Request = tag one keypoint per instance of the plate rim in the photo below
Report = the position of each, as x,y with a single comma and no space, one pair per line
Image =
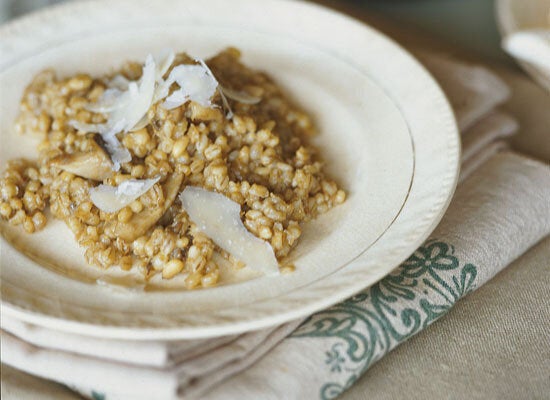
436,210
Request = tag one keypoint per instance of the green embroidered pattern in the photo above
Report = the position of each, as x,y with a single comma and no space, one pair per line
97,396
364,328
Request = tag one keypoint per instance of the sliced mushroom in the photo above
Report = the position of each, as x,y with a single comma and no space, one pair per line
141,222
93,164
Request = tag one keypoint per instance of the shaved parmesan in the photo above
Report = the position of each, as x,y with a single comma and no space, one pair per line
84,127
226,105
219,217
241,97
126,106
119,82
119,154
114,198
164,63
126,103
176,99
128,100
112,99
139,98
141,124
195,83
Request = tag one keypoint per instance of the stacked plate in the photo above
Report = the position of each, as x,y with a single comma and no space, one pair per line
386,131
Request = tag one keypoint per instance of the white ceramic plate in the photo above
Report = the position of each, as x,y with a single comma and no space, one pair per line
521,15
386,131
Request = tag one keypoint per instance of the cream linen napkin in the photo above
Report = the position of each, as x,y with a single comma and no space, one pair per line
472,90
166,369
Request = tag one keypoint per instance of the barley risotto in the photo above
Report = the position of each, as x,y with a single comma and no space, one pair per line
145,164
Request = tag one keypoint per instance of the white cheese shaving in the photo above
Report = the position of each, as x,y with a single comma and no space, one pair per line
219,217
119,82
229,114
119,154
128,100
137,99
113,198
195,83
126,106
163,64
84,127
141,124
241,97
126,103
112,99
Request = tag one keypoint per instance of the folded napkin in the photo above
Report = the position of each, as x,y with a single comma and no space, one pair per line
327,353
472,90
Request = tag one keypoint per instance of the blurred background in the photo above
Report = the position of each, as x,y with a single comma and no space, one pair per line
13,8
468,24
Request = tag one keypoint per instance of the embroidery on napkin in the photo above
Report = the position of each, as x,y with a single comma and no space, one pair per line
364,328
97,396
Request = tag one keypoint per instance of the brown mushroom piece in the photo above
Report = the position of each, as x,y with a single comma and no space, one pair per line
94,164
141,222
